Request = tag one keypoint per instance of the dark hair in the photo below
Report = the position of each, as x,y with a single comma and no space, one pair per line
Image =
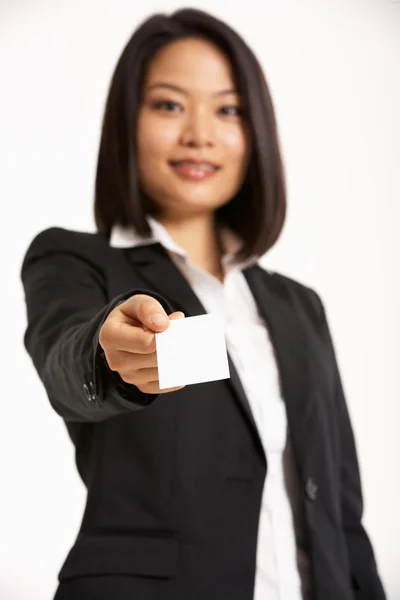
257,212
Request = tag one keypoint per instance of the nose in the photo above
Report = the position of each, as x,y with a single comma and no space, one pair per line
198,130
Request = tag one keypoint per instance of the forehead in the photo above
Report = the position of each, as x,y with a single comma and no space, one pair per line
193,63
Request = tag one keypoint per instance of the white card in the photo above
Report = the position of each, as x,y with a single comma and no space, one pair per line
192,350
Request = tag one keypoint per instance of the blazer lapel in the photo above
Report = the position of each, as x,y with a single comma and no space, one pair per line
161,274
289,338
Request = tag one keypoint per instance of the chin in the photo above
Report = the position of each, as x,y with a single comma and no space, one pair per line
188,200
199,204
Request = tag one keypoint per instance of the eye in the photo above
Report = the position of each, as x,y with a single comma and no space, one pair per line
231,110
167,105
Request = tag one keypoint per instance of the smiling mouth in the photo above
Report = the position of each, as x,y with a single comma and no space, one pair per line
208,166
194,170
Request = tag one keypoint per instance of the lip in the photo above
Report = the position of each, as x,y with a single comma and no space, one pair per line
194,161
188,169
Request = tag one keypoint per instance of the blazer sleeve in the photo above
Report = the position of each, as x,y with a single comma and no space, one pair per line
366,581
66,305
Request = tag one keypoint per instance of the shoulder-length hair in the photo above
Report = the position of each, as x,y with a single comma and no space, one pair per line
257,212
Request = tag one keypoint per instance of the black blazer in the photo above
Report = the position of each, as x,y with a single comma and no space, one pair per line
174,482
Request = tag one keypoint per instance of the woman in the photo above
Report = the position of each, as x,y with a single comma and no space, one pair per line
242,488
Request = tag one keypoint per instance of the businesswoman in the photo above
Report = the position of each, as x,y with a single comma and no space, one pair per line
235,489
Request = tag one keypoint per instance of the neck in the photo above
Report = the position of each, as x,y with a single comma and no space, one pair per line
198,236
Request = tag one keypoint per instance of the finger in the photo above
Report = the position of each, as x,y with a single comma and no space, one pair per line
173,316
128,338
154,388
147,310
176,315
167,390
145,361
143,376
122,360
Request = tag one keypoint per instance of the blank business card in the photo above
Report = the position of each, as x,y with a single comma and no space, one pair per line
192,350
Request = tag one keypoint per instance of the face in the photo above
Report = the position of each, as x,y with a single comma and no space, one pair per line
192,142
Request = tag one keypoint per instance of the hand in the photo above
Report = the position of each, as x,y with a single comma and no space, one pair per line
127,337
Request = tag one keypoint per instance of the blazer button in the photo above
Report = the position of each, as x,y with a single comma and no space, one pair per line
89,392
311,489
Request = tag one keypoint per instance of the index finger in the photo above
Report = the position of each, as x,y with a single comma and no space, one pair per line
133,339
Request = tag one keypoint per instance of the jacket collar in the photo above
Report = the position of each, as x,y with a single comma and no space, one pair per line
124,237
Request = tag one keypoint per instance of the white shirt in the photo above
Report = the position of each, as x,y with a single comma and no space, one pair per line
282,570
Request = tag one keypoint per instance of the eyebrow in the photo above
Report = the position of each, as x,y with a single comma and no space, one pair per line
177,88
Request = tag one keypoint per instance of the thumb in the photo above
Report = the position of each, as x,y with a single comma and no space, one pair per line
172,317
147,311
176,315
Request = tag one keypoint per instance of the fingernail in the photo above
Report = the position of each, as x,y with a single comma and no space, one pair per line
158,319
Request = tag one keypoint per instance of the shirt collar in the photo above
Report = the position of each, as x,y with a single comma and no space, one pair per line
126,237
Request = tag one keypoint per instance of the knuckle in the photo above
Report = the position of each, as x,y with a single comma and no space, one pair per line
148,306
111,362
127,377
148,342
140,302
153,388
133,376
103,336
153,364
145,386
114,362
107,334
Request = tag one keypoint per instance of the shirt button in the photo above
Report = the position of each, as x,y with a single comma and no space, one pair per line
311,489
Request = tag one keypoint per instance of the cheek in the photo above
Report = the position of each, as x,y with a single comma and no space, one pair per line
237,146
155,139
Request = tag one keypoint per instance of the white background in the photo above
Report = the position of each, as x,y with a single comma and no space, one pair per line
334,71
